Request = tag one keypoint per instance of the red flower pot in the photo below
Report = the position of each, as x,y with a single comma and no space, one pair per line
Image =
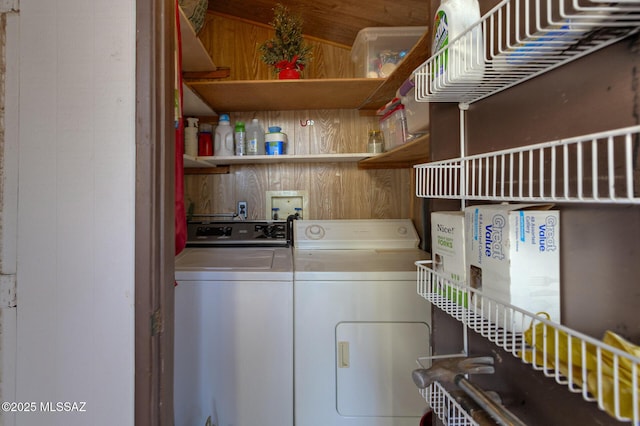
289,74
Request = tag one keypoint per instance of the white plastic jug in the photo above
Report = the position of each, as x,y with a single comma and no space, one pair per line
275,141
463,61
223,138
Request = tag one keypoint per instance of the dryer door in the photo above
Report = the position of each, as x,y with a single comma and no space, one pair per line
374,365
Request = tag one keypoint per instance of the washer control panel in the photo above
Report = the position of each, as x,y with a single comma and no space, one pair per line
314,232
355,234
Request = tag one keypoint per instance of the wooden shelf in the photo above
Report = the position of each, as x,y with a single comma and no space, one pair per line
283,95
195,58
417,150
407,155
191,162
195,166
331,93
219,170
262,159
365,94
193,106
194,55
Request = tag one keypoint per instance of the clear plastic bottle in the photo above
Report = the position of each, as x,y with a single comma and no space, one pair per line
223,139
376,142
240,136
255,138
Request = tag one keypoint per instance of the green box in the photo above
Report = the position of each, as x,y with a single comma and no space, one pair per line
448,252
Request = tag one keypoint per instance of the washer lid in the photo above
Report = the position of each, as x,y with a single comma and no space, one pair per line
355,234
246,263
357,265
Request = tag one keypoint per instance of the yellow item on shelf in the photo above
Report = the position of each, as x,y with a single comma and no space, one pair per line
625,377
549,335
551,348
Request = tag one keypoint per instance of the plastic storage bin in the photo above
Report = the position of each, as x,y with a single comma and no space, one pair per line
377,51
416,113
394,127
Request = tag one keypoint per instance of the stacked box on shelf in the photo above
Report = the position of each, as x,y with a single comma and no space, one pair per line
448,252
513,256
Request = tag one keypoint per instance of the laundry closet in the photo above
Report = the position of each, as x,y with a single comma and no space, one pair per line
360,254
593,93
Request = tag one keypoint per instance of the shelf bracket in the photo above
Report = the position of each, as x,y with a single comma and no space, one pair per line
463,107
220,170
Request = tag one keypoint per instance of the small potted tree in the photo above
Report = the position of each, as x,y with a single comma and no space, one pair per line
286,52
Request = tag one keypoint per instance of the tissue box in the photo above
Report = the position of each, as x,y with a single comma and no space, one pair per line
377,51
513,256
448,252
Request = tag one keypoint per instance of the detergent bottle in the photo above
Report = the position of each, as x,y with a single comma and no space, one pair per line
462,62
223,139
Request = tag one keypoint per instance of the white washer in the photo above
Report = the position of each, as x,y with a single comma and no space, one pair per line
233,357
359,324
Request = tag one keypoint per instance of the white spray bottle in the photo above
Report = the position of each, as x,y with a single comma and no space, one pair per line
191,137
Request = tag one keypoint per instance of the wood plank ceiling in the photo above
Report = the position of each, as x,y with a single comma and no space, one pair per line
336,21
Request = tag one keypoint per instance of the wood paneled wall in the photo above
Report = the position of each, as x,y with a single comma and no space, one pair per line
335,190
234,43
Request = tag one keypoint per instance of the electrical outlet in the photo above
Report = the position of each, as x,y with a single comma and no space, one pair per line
242,209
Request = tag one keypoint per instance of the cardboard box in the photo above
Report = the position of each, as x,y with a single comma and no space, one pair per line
377,51
513,256
448,252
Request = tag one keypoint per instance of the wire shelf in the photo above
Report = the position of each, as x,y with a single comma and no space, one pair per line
599,371
445,407
518,40
567,170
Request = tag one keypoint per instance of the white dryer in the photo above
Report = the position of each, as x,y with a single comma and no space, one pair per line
359,324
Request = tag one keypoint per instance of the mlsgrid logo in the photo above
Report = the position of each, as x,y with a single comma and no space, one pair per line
493,238
547,234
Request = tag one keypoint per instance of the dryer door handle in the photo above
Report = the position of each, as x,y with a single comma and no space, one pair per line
343,355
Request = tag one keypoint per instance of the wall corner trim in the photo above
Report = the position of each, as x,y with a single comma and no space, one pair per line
9,6
8,297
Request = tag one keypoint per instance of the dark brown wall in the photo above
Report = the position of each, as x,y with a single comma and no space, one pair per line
600,244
